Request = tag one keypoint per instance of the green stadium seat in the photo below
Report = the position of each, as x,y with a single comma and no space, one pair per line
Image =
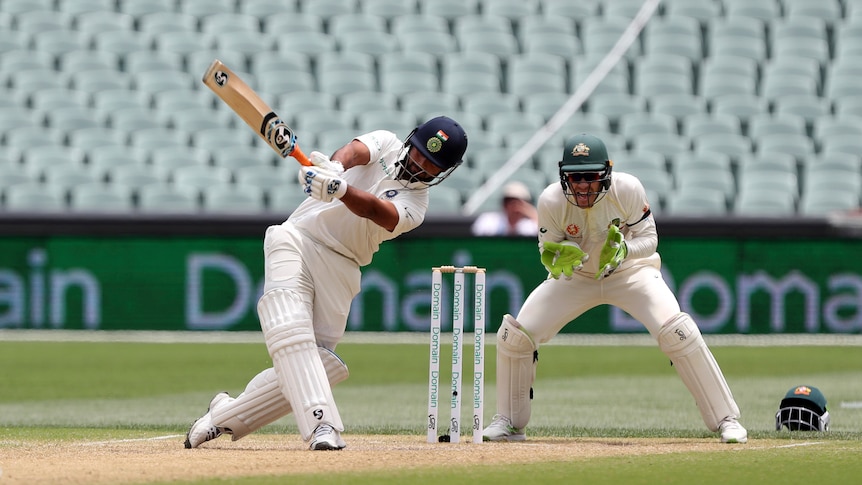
21,6
489,103
164,199
678,105
33,197
161,22
758,201
699,124
102,20
281,23
444,200
201,8
234,199
389,9
328,8
101,198
450,9
137,8
358,102
263,9
696,201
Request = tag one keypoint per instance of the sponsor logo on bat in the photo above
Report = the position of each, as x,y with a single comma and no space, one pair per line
220,78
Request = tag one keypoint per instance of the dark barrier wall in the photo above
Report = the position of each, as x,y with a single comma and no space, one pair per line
204,273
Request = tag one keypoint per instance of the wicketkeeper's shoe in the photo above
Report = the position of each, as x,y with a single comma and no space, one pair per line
203,429
501,429
732,431
326,438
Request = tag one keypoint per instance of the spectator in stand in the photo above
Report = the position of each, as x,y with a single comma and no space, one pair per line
517,215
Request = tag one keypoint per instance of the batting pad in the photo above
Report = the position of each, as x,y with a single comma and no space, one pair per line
681,340
263,403
301,376
517,359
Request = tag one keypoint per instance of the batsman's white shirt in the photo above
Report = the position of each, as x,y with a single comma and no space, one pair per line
358,238
636,286
318,251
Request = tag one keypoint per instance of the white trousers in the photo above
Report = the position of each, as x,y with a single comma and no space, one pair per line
640,291
326,281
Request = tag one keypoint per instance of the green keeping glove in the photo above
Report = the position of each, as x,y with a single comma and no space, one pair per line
613,253
562,258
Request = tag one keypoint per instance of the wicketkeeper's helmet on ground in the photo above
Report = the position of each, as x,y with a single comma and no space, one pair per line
442,141
803,409
585,159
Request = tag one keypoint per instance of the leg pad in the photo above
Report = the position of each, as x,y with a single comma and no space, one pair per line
263,403
681,340
517,359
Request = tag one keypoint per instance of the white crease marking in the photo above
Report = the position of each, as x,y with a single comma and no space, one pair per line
132,440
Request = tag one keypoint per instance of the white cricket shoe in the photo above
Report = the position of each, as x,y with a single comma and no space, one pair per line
732,431
203,429
326,438
501,429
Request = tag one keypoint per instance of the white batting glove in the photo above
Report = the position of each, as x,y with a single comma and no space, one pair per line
322,161
321,184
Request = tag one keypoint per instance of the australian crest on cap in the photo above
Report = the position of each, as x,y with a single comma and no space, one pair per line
581,150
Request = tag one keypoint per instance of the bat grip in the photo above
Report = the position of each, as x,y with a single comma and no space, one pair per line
300,156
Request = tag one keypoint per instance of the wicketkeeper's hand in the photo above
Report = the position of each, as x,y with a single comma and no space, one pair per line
321,184
613,252
322,161
562,258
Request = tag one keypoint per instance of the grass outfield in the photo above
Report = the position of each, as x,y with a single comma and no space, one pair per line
79,392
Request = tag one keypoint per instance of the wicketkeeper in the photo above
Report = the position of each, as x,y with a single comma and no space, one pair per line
598,240
312,272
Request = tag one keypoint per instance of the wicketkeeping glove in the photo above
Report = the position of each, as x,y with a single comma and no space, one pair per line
322,161
321,184
613,253
562,258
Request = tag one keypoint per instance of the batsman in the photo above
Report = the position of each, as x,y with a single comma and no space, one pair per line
598,240
371,190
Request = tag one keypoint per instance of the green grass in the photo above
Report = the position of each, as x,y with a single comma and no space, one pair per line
833,464
97,391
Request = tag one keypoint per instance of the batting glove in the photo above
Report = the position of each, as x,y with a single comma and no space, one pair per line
613,253
322,161
562,258
321,184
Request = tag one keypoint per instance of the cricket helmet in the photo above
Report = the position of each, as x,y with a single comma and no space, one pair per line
441,140
585,158
803,409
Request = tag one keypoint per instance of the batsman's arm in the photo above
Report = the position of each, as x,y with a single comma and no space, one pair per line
362,203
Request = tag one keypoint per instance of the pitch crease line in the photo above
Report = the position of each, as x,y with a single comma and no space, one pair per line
133,440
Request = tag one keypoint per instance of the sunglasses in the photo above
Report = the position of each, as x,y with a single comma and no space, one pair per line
584,176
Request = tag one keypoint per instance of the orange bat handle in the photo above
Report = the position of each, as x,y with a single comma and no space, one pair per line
300,156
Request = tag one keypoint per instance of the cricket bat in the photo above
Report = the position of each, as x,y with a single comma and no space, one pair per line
249,106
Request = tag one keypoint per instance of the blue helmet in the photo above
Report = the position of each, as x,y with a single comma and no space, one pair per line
442,141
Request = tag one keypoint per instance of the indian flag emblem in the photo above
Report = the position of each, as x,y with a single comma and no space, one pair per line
442,135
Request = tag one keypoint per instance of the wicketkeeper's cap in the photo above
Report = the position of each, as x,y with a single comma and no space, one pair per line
584,153
442,140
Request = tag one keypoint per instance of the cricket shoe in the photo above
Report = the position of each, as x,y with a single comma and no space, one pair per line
732,431
326,438
203,429
501,429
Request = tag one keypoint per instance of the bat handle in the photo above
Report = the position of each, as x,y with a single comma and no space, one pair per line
300,156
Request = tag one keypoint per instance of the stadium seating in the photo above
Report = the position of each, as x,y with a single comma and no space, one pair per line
117,82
